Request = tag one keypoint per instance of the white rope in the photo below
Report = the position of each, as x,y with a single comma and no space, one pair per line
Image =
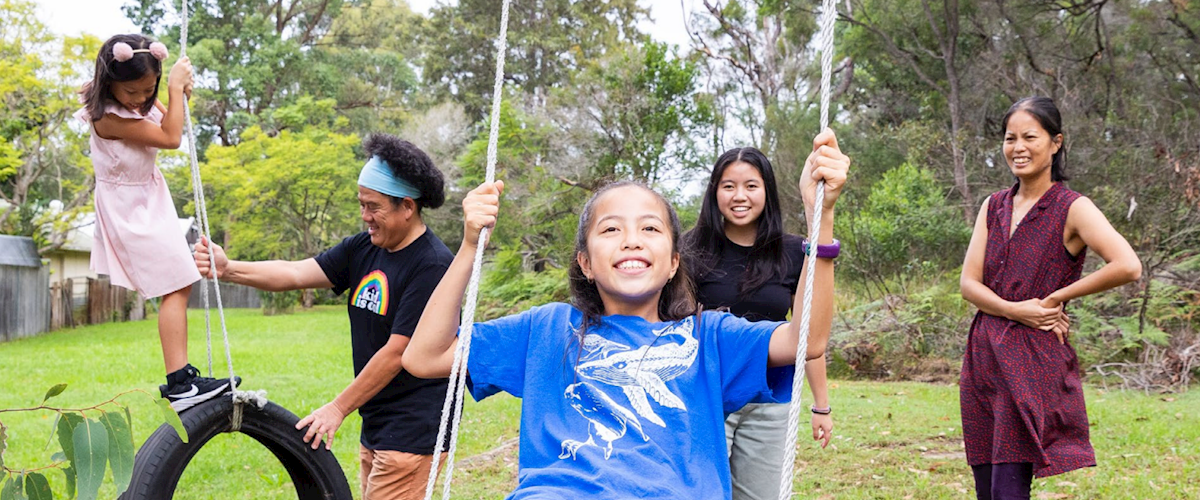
828,15
458,369
205,230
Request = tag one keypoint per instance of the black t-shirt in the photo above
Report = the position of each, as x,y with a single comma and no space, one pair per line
388,294
718,288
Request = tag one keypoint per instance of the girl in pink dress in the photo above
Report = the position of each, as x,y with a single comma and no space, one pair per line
138,242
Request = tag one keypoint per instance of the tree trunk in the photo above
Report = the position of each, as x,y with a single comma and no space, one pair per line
960,168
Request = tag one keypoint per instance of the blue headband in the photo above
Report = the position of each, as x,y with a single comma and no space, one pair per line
378,176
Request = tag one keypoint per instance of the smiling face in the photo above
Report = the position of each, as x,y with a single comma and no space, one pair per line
134,94
1028,148
630,251
740,195
388,224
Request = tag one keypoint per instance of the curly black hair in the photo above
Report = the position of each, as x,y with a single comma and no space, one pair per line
411,164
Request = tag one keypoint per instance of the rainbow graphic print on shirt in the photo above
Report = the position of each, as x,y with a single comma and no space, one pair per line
372,293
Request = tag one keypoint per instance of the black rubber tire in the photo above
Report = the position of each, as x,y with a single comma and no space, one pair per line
160,461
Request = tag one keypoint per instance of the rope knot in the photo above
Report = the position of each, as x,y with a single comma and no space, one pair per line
257,398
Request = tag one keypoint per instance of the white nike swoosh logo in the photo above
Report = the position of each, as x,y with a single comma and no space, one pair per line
195,390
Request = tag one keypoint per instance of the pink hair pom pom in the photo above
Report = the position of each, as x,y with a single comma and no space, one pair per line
158,50
122,51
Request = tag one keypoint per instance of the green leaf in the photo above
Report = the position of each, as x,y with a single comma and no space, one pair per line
54,391
66,432
58,457
91,456
172,418
53,430
12,489
37,487
69,472
120,449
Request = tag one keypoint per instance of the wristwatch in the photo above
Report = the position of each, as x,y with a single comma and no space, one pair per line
830,251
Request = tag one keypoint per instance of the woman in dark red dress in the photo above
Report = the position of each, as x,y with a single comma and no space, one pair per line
1022,401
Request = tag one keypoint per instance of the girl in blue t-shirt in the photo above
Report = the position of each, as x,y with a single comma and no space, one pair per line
625,390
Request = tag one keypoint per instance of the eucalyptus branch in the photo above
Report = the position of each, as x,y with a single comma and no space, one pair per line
55,465
112,400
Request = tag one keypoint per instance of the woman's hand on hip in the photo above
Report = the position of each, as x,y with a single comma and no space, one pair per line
1033,314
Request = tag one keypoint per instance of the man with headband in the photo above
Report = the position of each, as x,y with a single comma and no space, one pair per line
391,270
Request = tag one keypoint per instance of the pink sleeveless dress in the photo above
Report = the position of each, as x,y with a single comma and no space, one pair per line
137,242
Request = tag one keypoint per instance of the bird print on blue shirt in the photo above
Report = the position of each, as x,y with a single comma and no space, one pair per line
637,373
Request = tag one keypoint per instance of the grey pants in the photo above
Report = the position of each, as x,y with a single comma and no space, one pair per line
756,436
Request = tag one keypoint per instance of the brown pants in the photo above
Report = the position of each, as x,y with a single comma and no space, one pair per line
394,475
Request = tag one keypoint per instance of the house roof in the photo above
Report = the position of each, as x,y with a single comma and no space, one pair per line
18,251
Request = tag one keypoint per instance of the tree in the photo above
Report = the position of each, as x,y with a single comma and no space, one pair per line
41,158
927,45
758,49
255,53
285,196
548,40
642,112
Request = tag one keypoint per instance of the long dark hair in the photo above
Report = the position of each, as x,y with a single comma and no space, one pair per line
1046,113
97,94
703,242
677,301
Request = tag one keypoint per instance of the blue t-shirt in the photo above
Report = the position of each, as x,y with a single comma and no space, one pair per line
635,410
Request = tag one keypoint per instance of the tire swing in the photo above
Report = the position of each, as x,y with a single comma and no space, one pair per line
160,462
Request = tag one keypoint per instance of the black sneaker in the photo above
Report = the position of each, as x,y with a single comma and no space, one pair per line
194,389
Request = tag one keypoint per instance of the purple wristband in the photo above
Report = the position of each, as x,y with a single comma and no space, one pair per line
830,251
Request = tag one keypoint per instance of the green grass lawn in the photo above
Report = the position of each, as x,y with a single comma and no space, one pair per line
892,440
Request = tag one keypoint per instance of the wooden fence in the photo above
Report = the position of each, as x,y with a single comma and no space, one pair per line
24,302
99,302
233,296
28,307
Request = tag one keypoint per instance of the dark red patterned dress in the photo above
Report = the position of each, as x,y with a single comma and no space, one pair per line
1021,396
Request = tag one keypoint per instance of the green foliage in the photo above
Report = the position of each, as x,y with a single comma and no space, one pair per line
274,303
255,54
54,391
90,447
918,335
10,159
13,489
904,229
37,488
41,157
644,112
506,289
91,456
539,210
548,41
1113,327
120,447
172,418
287,195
